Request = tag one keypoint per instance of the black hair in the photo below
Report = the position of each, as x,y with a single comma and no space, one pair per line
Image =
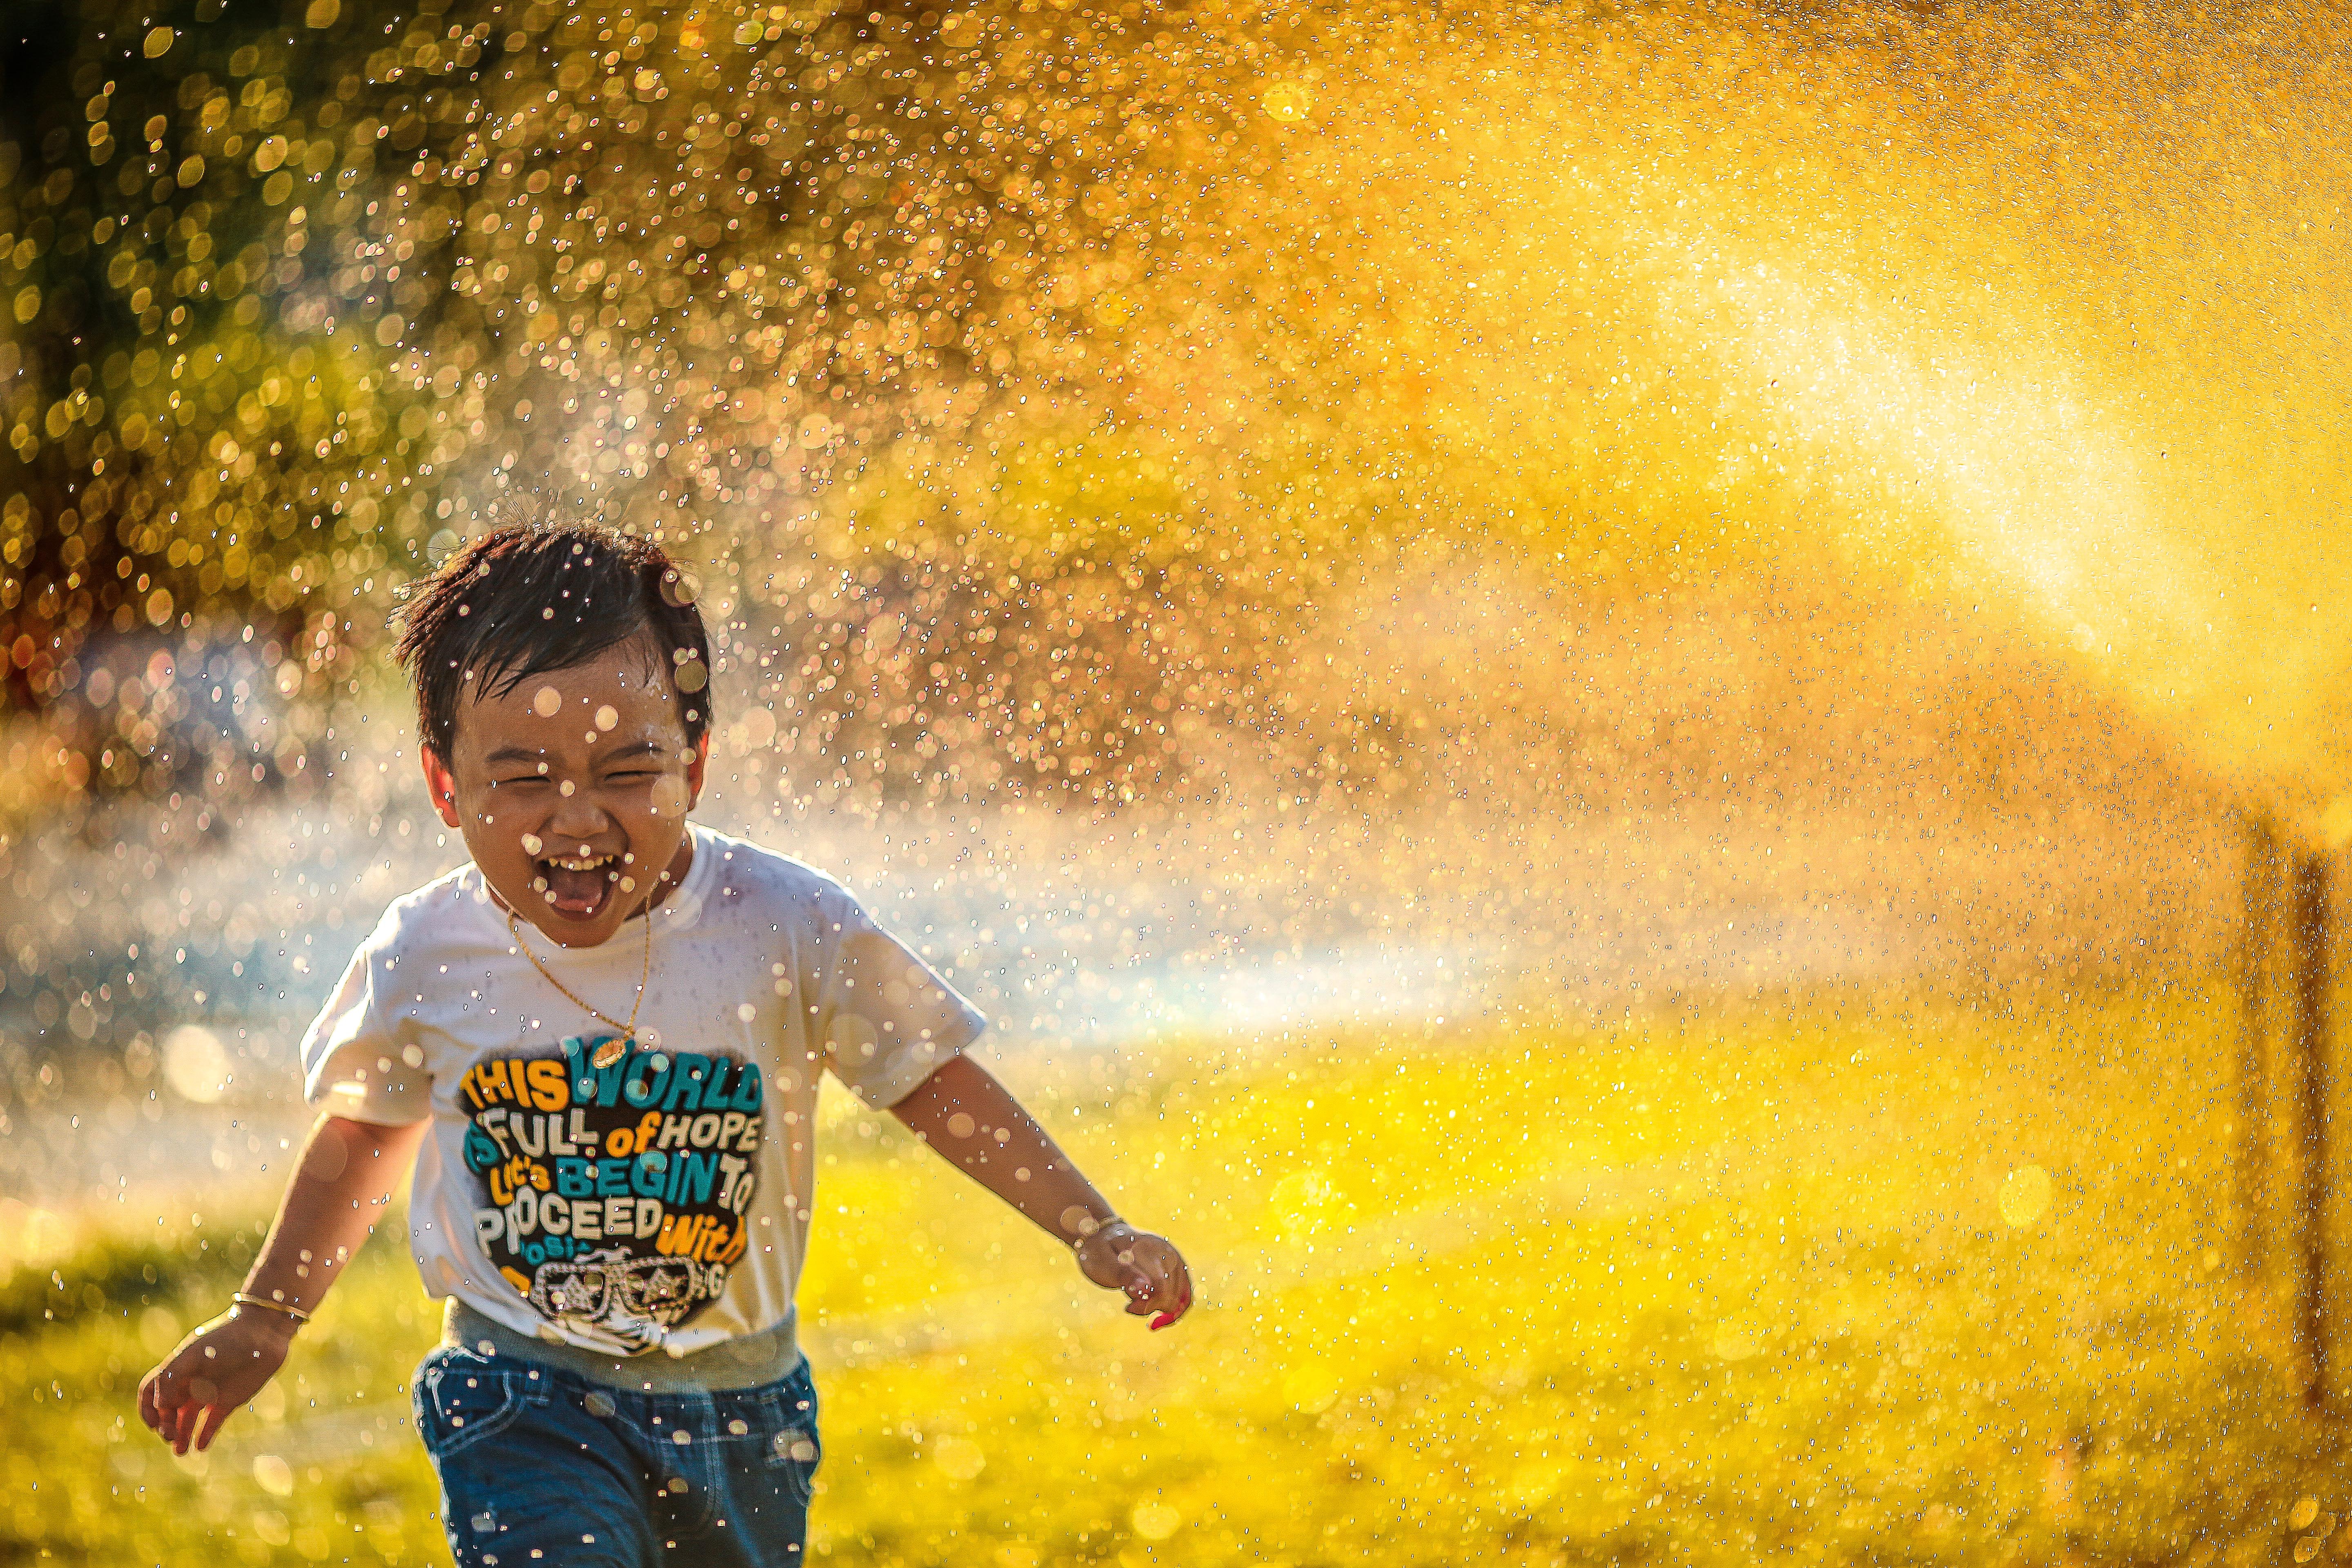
529,597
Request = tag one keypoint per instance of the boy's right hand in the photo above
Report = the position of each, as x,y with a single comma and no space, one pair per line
219,1367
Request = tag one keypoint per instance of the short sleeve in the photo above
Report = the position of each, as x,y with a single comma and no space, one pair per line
353,1063
887,1020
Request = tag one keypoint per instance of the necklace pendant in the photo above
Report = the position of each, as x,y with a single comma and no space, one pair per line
608,1053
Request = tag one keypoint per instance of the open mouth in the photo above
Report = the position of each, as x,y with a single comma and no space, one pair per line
576,886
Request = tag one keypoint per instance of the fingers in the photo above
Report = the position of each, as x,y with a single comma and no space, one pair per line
206,1412
209,1420
1151,1273
172,1402
164,1407
1181,1284
1159,1285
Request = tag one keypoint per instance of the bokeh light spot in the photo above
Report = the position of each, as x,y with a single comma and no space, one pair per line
1287,101
195,1064
2024,1195
273,1475
959,1458
1155,1520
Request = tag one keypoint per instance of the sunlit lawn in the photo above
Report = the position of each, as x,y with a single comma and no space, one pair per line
1703,1289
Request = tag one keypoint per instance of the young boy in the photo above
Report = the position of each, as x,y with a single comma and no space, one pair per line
600,1043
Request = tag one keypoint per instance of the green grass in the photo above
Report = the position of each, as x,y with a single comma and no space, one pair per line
1704,1289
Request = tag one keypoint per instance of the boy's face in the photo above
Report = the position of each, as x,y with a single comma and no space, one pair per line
571,789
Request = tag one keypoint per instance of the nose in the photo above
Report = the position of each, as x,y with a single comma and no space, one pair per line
576,820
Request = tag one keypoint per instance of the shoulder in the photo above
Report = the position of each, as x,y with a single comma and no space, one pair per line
451,904
754,881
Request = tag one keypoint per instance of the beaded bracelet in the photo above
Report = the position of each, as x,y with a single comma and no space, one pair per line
244,1299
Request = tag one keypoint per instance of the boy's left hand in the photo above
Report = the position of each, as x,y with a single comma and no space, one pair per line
1146,1267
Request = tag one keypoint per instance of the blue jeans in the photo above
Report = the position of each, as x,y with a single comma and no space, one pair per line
540,1465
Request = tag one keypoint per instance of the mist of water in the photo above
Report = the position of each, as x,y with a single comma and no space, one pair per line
1640,431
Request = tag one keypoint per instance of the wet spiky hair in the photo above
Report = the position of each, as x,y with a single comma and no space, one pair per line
529,597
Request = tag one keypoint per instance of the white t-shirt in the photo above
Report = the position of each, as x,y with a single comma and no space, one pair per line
638,1194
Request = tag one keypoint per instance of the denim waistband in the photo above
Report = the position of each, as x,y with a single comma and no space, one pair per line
747,1360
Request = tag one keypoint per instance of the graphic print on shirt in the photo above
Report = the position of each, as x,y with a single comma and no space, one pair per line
613,1198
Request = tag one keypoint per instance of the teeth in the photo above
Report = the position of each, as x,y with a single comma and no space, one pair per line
580,865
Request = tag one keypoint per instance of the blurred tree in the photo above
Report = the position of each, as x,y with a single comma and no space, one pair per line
296,289
193,439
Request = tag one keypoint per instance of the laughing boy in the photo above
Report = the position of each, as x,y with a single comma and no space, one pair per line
598,1044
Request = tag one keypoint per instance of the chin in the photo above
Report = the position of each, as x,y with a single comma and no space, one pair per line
594,927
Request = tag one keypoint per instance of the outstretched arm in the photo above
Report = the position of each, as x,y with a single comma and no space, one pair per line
971,1119
348,1170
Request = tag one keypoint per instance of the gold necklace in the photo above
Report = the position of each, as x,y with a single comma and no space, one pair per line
609,1051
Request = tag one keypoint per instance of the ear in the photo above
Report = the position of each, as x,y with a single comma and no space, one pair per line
440,783
694,768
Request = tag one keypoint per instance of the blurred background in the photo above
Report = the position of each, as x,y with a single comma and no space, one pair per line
1681,610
